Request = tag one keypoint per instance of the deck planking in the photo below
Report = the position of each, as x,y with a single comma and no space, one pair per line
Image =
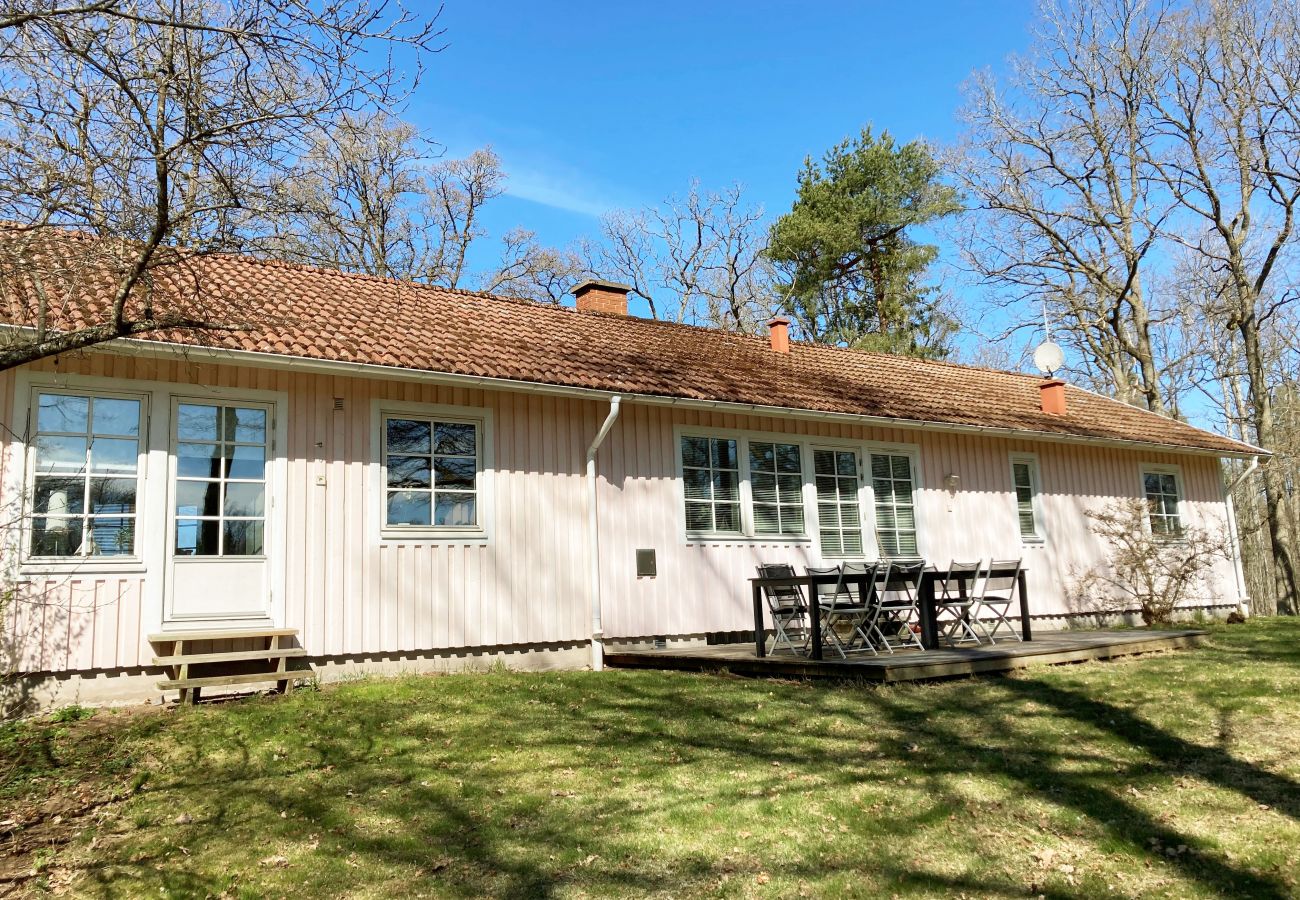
1047,648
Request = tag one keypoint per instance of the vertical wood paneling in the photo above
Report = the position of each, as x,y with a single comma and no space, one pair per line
349,593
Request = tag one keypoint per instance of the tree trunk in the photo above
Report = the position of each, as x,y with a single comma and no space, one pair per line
1285,596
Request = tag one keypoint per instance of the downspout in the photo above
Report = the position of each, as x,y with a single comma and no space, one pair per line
593,535
1243,604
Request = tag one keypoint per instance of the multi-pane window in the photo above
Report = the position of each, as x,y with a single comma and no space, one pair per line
431,471
1161,490
776,487
839,515
220,500
86,475
1024,478
891,484
711,477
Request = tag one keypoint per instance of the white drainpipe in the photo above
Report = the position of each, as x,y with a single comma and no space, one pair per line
593,536
1235,537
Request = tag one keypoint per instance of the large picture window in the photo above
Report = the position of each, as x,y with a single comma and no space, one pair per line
431,470
85,475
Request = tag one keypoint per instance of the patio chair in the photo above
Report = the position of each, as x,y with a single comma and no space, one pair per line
1001,582
897,584
956,600
868,629
840,605
787,607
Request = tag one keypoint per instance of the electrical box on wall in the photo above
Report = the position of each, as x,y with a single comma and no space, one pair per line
645,564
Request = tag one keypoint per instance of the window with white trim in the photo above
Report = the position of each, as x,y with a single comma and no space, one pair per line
711,482
892,487
839,515
85,474
1024,480
432,467
776,487
1162,494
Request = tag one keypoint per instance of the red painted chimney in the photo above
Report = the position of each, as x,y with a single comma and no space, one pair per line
594,295
1052,394
778,332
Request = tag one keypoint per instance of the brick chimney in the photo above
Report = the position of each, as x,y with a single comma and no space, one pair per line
594,295
1052,395
778,332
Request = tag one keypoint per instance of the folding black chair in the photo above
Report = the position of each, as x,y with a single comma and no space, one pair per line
868,627
787,607
1001,582
840,606
899,608
956,601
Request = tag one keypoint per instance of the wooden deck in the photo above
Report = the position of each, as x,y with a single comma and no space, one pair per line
1047,648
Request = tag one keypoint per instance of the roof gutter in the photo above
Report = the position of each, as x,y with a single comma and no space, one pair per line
593,536
371,370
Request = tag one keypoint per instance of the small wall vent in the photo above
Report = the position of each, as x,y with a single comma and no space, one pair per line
646,567
338,403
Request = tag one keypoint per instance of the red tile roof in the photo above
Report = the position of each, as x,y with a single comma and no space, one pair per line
324,314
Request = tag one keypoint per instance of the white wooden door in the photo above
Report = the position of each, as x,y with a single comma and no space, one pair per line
220,495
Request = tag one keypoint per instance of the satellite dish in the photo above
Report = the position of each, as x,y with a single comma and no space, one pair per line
1049,357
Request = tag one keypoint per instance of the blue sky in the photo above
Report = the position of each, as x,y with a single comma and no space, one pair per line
594,106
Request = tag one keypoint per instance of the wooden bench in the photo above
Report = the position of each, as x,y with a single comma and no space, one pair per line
171,647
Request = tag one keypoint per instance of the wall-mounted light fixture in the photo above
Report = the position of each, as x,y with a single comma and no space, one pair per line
952,481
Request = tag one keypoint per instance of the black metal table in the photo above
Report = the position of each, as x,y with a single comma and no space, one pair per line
927,601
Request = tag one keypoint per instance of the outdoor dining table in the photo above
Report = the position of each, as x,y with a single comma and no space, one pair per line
927,603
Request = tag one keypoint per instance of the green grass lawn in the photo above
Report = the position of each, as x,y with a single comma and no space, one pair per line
1169,775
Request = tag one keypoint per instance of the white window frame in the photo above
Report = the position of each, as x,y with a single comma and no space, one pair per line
913,453
1145,469
743,495
269,486
1036,490
480,532
811,522
31,563
804,458
868,536
747,533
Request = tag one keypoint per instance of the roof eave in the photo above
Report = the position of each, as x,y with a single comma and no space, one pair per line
263,359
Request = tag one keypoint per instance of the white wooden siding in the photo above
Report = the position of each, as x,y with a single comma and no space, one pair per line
351,593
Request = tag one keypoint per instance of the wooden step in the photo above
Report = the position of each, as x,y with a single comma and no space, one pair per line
231,656
226,634
249,678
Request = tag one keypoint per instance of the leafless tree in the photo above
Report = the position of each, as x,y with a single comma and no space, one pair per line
1066,202
456,192
1226,113
535,272
696,258
351,199
370,195
156,125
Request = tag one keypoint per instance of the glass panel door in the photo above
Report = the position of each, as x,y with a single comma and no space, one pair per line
220,501
220,497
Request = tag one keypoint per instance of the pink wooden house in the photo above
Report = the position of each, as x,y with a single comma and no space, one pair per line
413,478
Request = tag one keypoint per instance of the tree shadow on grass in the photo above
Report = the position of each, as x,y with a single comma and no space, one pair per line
425,800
